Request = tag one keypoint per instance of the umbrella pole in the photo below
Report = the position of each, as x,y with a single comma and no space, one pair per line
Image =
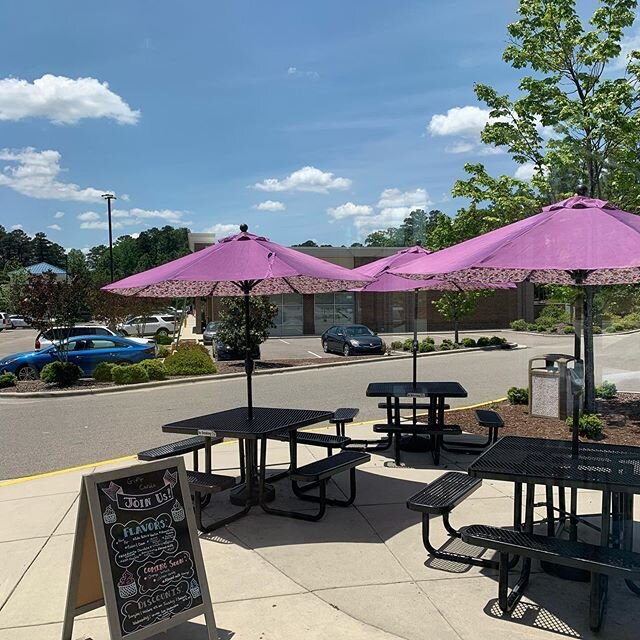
248,361
414,349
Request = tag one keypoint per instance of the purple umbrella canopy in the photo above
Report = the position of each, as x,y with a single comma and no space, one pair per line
229,266
577,241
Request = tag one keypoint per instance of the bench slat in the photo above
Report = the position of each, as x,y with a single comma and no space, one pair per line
488,418
409,405
314,439
579,555
322,469
444,493
176,448
208,482
344,414
443,429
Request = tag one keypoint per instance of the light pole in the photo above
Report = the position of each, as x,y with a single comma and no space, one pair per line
109,197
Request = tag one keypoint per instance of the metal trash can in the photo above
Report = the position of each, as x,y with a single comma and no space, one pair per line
550,394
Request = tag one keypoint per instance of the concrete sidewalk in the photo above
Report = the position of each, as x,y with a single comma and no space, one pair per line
360,573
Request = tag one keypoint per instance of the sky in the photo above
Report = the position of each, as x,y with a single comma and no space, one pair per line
323,120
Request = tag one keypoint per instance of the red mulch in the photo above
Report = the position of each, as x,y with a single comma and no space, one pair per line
621,417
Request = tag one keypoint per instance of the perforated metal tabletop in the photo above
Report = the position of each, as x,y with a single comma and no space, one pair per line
419,390
235,423
539,461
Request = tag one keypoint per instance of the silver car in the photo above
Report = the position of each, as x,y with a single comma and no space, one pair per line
151,325
18,321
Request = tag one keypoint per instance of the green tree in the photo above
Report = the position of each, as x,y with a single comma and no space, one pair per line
306,243
12,291
43,250
231,330
455,305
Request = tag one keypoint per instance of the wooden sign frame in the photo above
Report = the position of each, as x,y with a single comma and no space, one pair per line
91,580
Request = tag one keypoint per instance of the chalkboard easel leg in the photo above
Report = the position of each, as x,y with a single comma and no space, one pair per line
212,630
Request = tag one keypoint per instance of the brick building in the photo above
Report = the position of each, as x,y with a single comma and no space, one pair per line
382,312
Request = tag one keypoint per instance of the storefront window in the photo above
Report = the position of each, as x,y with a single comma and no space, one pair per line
333,308
289,321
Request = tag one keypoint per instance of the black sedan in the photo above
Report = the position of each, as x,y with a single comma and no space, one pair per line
349,339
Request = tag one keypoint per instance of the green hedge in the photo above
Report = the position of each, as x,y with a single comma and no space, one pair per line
396,345
61,373
129,374
102,373
155,369
7,380
590,426
518,395
163,340
469,343
192,361
607,390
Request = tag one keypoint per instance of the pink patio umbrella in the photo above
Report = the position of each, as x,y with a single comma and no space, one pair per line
243,264
384,281
579,241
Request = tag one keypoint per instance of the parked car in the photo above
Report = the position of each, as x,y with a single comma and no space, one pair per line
226,352
4,320
18,321
150,325
87,351
56,334
210,332
350,339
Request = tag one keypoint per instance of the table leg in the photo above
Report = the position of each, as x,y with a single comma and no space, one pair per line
600,582
249,490
517,507
627,534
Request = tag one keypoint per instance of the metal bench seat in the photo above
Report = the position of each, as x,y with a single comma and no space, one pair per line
409,405
341,416
491,420
598,560
439,498
310,438
206,483
439,429
175,448
320,472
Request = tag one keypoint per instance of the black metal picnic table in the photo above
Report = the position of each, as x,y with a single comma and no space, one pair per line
612,469
235,423
436,392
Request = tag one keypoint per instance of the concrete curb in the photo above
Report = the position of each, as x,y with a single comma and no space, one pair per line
231,376
604,334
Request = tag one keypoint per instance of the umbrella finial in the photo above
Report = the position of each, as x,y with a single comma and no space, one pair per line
244,228
581,189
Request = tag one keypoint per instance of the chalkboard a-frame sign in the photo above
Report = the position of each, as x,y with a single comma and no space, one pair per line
136,551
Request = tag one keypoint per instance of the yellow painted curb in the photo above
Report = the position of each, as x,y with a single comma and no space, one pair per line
6,483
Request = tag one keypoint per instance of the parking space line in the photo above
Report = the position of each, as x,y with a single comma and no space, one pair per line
281,340
314,354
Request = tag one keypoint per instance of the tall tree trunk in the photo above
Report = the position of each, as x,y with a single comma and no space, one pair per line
589,370
456,325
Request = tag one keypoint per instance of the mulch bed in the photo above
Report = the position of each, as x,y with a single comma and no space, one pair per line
621,417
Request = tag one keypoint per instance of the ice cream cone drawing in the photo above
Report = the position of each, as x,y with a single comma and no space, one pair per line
177,512
127,586
109,515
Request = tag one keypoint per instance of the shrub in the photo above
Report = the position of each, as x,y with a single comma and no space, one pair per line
426,347
590,426
429,340
496,341
596,329
102,373
568,330
610,329
446,345
607,390
163,340
540,328
61,373
192,346
407,344
519,325
531,326
618,326
129,374
164,352
483,341
468,342
7,380
518,395
190,362
396,345
155,369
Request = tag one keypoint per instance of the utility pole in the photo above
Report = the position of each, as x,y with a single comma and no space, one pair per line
109,197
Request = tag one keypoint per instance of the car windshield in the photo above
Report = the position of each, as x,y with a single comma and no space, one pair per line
358,331
121,333
212,326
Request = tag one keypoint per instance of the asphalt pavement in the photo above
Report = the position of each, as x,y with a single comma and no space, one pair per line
46,434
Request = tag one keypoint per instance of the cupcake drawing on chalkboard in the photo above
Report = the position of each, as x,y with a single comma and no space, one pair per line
194,589
177,512
109,515
127,586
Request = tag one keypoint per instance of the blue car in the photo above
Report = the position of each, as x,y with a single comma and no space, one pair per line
85,351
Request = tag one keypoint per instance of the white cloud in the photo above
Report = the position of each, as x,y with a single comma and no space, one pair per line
418,199
121,218
466,122
461,146
294,71
124,197
270,205
62,100
55,227
222,230
629,44
89,216
305,179
58,215
525,171
16,227
86,250
33,173
349,210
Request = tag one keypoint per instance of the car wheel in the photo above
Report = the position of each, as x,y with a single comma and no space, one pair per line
325,347
27,372
346,350
162,332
